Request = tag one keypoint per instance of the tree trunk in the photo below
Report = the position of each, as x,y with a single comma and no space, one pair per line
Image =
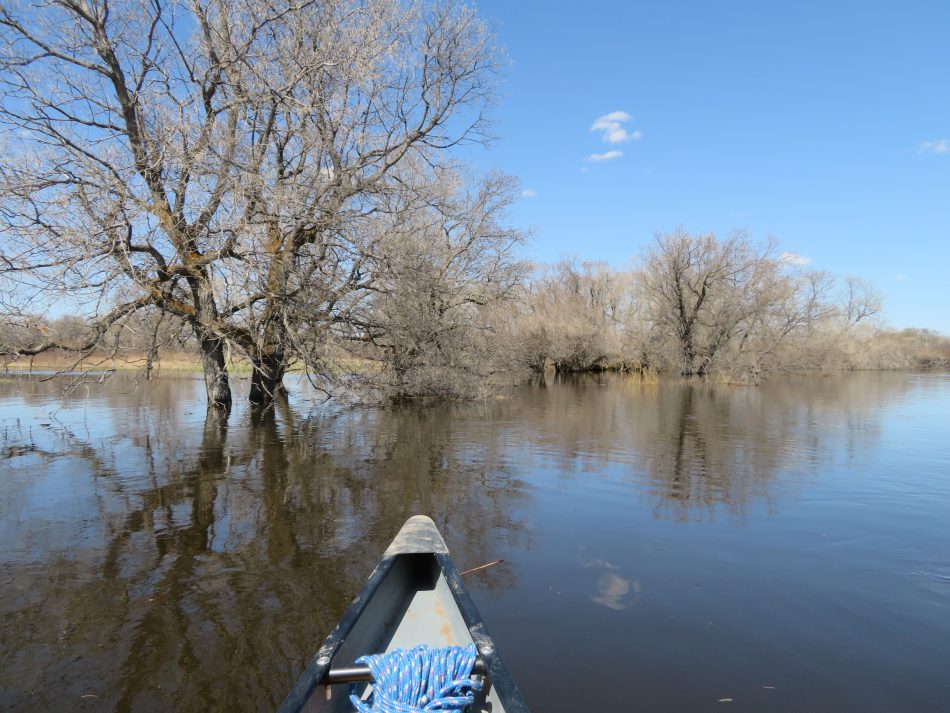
687,355
216,372
267,379
211,343
153,348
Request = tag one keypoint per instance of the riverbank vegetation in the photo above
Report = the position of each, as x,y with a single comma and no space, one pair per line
460,316
273,186
731,309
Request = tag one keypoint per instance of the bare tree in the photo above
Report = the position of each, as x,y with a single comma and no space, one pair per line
575,316
446,282
793,311
731,306
702,292
219,159
861,301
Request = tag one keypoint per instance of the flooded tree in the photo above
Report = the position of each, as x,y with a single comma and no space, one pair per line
733,307
218,160
447,281
704,306
573,318
700,293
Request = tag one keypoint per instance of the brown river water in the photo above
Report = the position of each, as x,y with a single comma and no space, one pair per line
667,547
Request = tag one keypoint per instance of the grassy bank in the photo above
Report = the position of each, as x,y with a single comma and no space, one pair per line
125,361
134,361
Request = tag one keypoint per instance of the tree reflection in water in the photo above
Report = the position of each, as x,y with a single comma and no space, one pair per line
152,561
181,565
694,449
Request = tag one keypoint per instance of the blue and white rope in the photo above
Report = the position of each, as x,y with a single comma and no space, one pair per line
420,680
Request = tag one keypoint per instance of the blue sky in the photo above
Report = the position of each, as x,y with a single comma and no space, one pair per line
824,124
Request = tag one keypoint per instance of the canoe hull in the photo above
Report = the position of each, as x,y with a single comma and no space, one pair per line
412,597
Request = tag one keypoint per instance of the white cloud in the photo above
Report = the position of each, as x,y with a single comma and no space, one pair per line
793,259
607,119
612,130
606,156
935,147
900,277
529,193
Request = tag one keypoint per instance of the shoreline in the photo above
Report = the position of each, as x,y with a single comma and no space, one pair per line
180,363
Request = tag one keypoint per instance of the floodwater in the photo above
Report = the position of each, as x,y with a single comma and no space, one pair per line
666,548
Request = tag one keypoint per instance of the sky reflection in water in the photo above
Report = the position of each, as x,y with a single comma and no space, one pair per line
783,546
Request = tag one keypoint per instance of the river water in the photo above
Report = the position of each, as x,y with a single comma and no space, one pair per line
667,547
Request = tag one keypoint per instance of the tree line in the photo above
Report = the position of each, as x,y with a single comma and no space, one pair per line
277,181
458,317
701,306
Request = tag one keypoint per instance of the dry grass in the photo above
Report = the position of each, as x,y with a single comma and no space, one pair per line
642,376
170,363
126,361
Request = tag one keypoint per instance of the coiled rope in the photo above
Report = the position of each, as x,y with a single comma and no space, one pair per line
421,679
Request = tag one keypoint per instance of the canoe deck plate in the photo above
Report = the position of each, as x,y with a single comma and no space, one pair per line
419,534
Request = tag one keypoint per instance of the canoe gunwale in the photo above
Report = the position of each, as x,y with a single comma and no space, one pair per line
498,672
311,677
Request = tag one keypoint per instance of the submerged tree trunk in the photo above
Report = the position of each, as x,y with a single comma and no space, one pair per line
269,356
687,353
215,369
267,379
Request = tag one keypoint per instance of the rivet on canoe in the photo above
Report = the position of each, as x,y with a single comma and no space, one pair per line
485,650
323,660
